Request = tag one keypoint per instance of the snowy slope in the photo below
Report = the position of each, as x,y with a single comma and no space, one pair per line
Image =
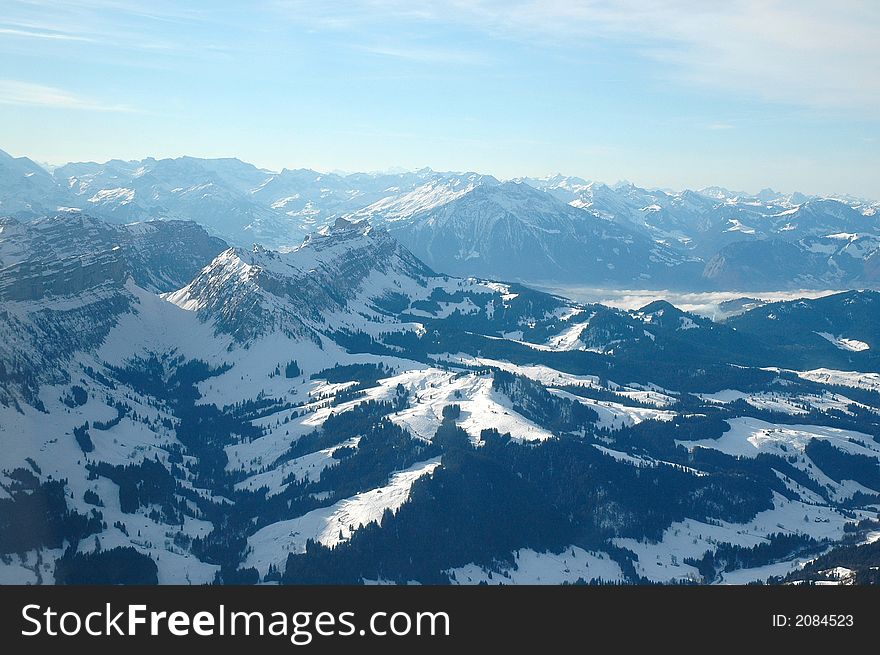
428,196
531,567
334,524
513,231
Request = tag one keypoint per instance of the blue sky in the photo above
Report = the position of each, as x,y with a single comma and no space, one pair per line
672,93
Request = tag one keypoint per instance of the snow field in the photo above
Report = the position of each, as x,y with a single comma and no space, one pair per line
749,436
546,568
334,524
614,415
664,561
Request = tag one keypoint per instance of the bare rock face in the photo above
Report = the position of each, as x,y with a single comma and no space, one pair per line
159,255
36,280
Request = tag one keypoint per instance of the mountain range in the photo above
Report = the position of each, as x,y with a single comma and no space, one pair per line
176,408
554,230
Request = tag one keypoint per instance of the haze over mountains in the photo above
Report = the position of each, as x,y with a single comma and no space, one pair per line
552,230
372,403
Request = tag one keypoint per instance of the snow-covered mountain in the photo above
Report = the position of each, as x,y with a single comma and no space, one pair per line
437,192
313,200
513,231
763,241
556,229
339,412
212,192
26,187
677,218
160,255
332,281
817,242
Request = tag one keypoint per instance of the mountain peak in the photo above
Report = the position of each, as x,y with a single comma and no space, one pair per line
325,283
658,307
767,194
341,228
342,224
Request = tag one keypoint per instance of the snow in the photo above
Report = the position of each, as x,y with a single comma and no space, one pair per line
249,375
615,415
430,390
856,379
737,226
172,324
663,561
535,346
58,455
862,247
30,568
822,247
159,326
543,374
121,195
546,568
466,306
639,461
635,460
334,524
567,313
305,468
724,396
50,442
182,299
852,345
840,576
569,338
497,287
482,407
486,409
646,393
156,326
421,199
281,203
786,403
16,573
549,377
283,428
777,569
749,436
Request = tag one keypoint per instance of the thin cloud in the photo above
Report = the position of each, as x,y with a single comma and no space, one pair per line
28,94
159,10
34,34
808,53
428,55
161,28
